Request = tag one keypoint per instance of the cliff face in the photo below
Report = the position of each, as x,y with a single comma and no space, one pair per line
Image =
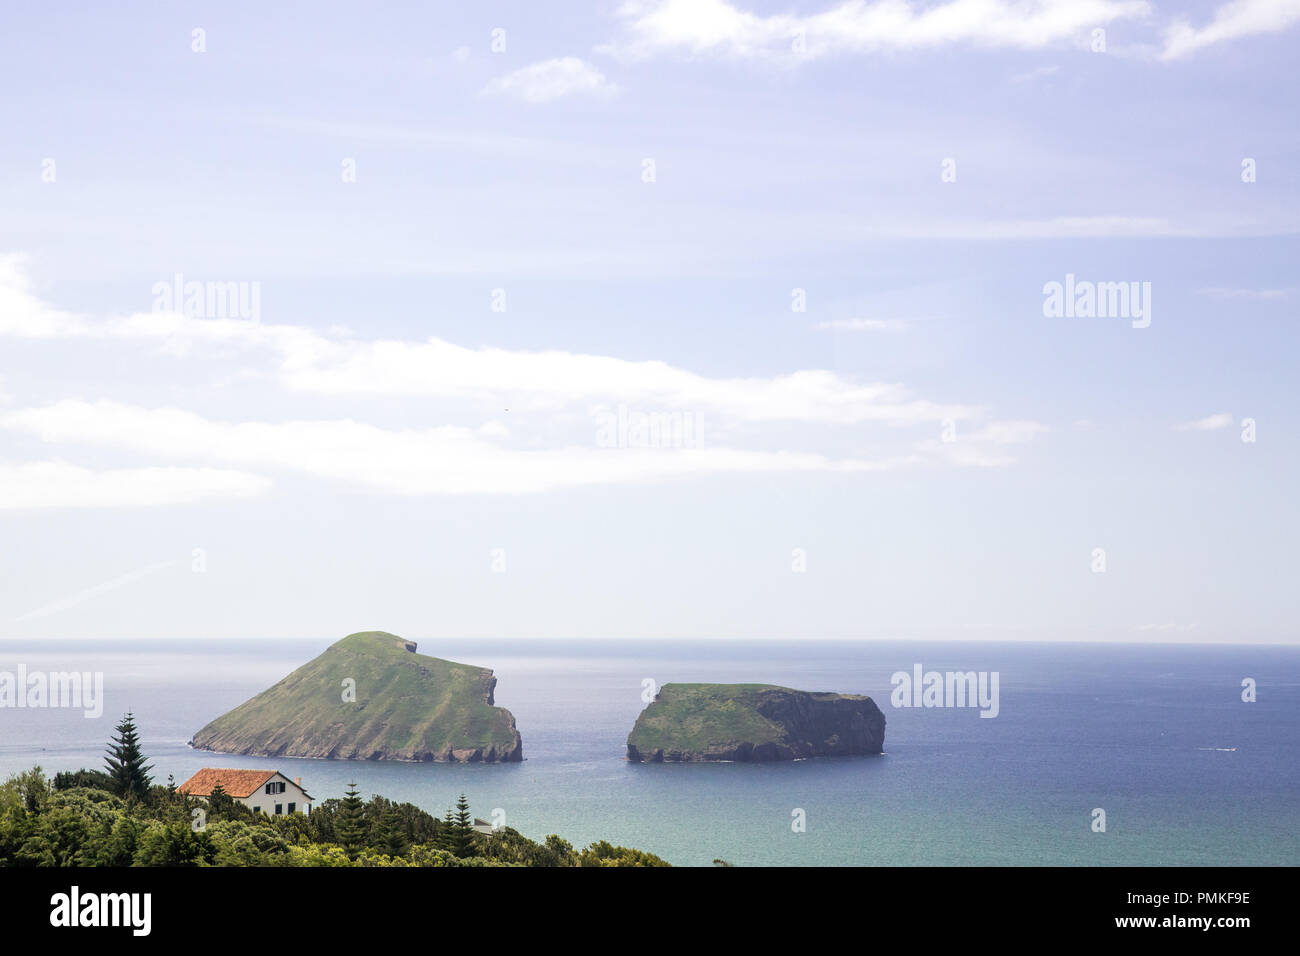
744,722
372,697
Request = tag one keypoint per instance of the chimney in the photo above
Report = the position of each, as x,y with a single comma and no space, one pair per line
297,782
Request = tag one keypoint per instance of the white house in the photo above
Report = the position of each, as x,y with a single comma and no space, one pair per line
267,791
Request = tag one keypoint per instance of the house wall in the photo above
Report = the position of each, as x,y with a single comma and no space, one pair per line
261,800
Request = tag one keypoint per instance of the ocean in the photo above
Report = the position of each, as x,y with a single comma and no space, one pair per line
1156,736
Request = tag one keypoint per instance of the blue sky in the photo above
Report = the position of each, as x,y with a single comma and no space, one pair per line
457,270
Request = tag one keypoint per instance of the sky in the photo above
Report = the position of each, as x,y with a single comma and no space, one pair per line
650,320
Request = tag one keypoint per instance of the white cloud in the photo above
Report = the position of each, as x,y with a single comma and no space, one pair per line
860,325
1241,18
309,361
446,460
54,484
1220,292
1037,73
1059,227
551,80
1212,423
983,447
544,391
1008,432
720,28
1189,226
555,378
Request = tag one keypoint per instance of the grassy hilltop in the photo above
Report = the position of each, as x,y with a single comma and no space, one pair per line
693,717
687,722
408,706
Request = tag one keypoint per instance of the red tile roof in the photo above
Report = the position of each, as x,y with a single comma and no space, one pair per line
237,783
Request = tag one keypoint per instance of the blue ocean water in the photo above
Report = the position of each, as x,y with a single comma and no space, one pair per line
1156,736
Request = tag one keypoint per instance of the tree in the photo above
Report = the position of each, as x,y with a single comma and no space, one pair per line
221,805
604,853
33,790
461,838
392,833
173,844
442,836
351,824
94,779
125,763
82,826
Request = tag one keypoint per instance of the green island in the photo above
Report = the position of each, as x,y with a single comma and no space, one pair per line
753,722
120,817
370,696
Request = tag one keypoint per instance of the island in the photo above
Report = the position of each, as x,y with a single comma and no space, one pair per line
370,696
753,722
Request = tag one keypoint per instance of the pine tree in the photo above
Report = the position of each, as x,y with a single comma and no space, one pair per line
221,805
392,833
442,836
462,829
351,825
125,763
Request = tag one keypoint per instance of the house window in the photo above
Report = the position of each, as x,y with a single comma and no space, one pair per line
293,807
279,808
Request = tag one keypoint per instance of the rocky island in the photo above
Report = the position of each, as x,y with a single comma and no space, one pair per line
751,722
370,696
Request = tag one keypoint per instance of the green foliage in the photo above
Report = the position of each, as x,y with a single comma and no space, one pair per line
32,790
174,844
119,842
222,806
392,833
317,854
90,826
239,843
93,779
426,854
605,854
